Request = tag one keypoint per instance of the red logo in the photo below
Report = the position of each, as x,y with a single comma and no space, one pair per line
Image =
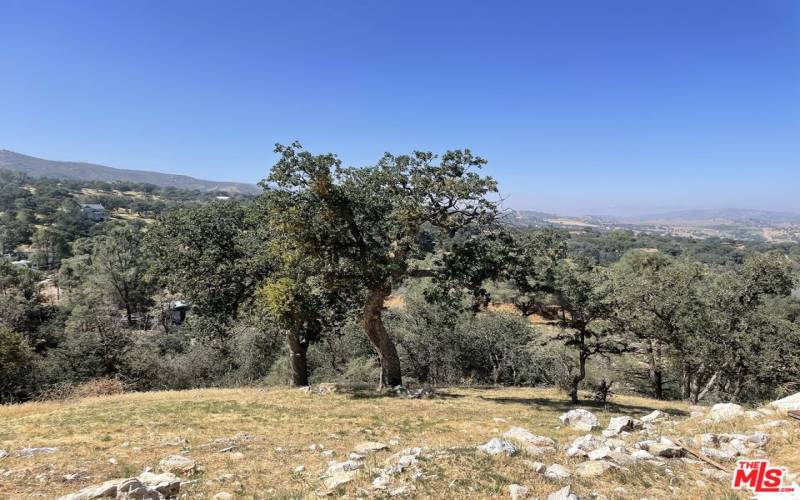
758,476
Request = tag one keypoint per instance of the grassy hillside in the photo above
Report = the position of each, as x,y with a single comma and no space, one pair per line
250,443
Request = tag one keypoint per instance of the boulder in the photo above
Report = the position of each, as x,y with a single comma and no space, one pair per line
593,468
498,446
666,449
177,464
722,412
580,419
368,447
599,453
537,467
789,403
621,458
516,491
557,472
147,486
725,452
167,484
563,494
622,424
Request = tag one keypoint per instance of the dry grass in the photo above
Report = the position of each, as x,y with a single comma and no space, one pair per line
140,429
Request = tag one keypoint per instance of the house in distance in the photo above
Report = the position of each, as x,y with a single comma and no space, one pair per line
95,211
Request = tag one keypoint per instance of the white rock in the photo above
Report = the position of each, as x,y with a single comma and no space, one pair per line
788,403
599,453
722,412
516,491
3,453
772,424
327,453
299,468
177,464
622,424
339,478
758,439
726,452
498,446
401,491
655,416
29,452
642,455
557,472
580,419
593,468
562,494
369,447
526,437
222,495
537,467
166,483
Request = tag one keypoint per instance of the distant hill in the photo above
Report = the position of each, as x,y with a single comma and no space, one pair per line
725,216
38,167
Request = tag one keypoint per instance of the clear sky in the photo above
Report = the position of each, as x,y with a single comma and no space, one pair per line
581,106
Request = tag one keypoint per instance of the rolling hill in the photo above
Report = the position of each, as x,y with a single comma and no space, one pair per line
38,167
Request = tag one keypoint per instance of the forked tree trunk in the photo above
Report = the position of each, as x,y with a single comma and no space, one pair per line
298,366
372,321
654,367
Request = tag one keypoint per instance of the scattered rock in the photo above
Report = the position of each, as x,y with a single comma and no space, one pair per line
339,473
655,416
299,469
580,419
788,403
593,468
754,414
222,495
599,453
327,453
516,491
3,453
112,461
498,446
177,464
563,494
325,388
583,445
369,447
401,491
148,486
772,424
722,412
557,472
726,452
29,452
758,439
177,441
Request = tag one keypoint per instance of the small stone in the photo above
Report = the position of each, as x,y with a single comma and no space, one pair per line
557,472
516,491
222,495
3,453
723,453
498,446
758,439
401,491
299,469
112,461
327,453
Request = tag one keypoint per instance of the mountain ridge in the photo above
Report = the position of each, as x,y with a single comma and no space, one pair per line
40,167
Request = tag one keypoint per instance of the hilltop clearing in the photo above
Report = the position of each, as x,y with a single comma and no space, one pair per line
297,443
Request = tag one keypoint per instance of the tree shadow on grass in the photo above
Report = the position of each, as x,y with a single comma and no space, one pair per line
565,406
370,392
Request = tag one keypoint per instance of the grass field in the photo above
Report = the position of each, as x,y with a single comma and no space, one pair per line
271,432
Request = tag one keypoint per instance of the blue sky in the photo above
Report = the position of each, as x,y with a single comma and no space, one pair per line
581,106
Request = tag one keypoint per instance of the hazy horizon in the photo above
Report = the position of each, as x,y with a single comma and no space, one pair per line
620,108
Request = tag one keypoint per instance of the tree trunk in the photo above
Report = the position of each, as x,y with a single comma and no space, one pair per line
654,367
576,380
372,321
298,367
